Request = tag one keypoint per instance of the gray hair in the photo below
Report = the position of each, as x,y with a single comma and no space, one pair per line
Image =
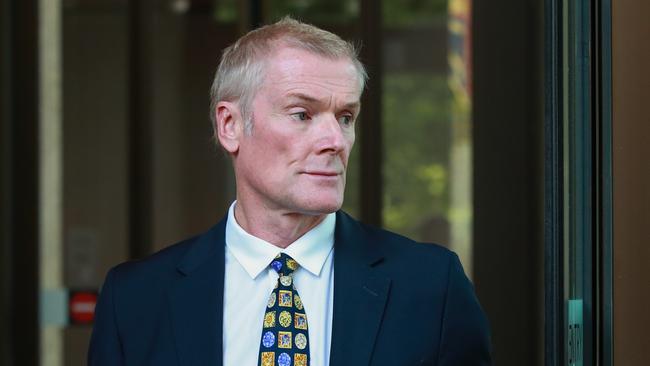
240,72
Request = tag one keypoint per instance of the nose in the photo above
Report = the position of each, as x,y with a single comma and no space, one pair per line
333,137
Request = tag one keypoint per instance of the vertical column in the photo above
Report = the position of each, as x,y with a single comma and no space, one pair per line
23,184
460,175
53,297
507,161
631,182
371,131
140,124
5,179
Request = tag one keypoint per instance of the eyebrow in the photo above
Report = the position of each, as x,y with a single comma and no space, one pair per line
309,99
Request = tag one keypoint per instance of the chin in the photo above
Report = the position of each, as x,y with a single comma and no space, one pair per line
323,206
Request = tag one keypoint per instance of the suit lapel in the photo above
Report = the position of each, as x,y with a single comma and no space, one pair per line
196,301
360,295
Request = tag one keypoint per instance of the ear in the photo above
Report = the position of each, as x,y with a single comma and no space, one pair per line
229,126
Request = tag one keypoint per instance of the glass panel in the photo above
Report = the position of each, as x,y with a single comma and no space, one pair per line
169,71
426,114
577,183
414,13
95,94
314,11
225,11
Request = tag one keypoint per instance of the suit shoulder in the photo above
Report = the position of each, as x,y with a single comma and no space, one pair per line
392,242
159,265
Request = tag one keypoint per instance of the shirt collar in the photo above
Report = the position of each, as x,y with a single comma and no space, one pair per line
254,254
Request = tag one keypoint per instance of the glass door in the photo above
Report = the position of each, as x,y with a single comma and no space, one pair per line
578,183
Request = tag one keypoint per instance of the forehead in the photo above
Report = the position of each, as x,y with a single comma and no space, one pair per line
292,67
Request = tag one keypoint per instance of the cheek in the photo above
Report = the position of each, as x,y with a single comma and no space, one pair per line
271,154
266,143
351,139
348,150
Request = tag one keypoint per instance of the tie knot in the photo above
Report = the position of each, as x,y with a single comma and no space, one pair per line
284,264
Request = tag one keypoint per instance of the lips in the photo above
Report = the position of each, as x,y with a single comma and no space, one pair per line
323,173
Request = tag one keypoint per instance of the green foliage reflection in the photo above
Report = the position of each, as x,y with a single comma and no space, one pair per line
417,144
316,11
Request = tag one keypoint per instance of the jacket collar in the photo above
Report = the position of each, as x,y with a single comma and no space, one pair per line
360,294
196,300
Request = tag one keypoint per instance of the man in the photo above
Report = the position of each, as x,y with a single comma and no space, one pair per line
286,278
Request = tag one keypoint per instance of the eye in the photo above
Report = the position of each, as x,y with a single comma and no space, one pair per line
300,116
346,120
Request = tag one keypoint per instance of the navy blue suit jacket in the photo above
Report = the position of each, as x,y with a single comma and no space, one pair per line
396,302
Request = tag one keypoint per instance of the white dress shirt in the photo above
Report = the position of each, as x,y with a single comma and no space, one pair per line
249,281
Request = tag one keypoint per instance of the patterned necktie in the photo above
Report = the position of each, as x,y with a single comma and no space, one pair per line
284,335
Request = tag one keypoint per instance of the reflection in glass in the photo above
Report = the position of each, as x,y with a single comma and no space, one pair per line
426,121
577,177
324,12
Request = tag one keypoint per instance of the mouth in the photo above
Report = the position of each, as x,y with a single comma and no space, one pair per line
322,173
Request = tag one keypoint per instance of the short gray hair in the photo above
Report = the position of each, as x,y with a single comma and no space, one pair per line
240,72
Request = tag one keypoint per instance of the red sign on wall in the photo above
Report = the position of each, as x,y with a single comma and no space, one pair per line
82,307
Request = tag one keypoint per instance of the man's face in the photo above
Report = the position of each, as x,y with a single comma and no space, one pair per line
303,130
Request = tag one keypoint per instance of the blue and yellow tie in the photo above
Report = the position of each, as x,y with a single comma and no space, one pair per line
284,334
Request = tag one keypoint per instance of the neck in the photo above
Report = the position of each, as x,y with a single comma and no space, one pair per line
280,228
